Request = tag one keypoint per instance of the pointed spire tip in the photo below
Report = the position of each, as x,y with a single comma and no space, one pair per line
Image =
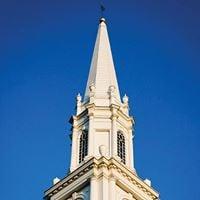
102,20
102,73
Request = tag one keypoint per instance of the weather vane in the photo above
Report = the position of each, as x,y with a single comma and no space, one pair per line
102,7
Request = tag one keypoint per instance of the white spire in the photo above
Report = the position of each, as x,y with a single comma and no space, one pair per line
102,72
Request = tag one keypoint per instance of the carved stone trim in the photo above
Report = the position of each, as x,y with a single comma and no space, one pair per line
102,163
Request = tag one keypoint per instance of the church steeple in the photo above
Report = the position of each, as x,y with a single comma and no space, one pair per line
102,121
102,75
102,154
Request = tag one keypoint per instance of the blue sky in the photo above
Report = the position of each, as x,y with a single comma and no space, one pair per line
45,53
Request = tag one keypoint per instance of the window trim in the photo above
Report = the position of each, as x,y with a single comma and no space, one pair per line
121,146
83,145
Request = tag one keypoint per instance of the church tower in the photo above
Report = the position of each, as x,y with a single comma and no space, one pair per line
102,158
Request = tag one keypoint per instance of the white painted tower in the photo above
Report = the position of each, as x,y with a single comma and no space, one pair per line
102,159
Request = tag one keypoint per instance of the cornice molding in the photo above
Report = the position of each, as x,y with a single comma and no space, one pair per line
94,165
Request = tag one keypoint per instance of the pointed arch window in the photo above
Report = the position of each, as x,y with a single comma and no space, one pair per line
83,145
121,150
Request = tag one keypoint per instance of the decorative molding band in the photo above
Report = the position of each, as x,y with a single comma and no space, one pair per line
102,163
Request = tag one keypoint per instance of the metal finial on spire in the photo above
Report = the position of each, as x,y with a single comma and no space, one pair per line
102,7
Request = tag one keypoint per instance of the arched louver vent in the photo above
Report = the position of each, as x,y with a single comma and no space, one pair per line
83,145
121,150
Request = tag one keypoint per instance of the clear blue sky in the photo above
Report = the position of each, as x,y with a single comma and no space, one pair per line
45,53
